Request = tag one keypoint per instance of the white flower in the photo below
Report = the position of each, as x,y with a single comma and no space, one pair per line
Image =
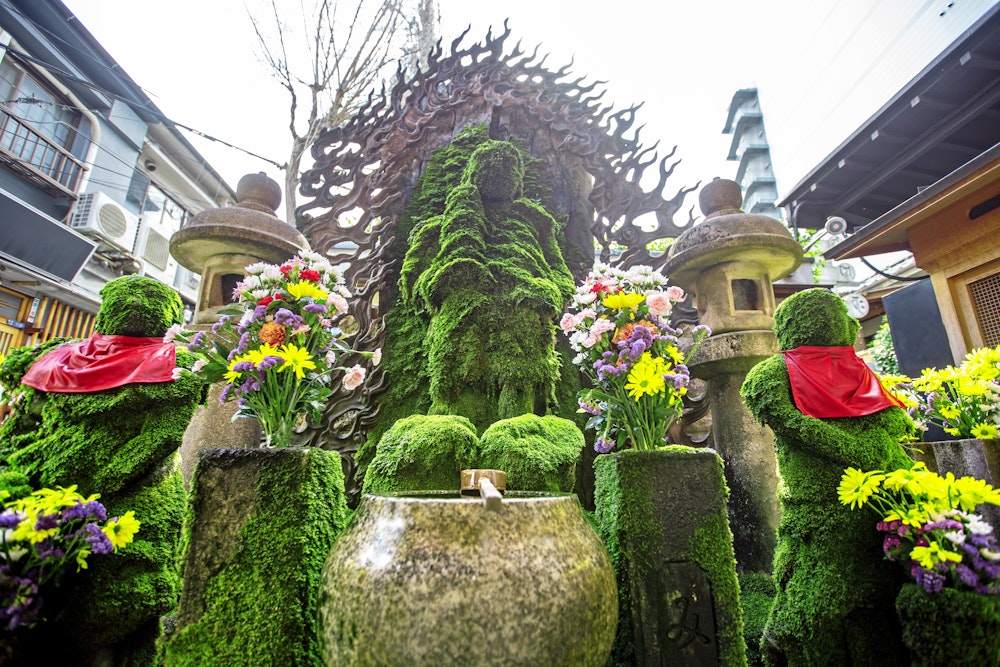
176,373
354,377
377,357
251,282
955,536
260,293
977,526
579,359
311,256
172,332
256,268
989,555
271,272
199,364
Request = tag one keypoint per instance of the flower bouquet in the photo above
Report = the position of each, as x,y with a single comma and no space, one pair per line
617,324
964,402
278,347
930,526
41,535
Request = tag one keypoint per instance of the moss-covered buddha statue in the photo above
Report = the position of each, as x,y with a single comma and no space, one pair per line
835,592
107,414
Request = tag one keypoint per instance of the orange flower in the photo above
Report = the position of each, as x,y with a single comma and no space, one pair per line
625,332
272,333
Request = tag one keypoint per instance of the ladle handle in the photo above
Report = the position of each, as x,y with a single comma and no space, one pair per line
492,499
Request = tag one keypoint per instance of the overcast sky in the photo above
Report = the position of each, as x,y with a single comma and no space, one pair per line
821,66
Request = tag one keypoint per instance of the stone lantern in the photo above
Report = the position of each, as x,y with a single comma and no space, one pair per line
729,262
218,244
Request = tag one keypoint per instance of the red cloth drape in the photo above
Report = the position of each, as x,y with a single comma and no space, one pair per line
834,382
103,362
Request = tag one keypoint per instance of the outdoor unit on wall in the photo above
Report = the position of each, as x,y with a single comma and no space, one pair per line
153,248
100,216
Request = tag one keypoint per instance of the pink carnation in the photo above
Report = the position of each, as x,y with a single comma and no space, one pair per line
601,326
675,293
659,303
339,302
568,323
354,377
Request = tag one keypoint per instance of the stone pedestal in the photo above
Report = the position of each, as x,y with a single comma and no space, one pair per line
263,523
662,515
972,457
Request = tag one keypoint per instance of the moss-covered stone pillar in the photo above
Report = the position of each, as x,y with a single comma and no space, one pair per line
260,526
662,515
729,262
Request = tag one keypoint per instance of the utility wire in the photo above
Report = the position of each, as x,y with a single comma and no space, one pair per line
146,108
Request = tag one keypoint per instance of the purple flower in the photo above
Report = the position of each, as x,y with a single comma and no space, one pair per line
223,320
9,519
588,407
243,367
287,318
314,308
258,312
97,539
269,362
602,446
225,394
701,328
195,343
966,575
47,522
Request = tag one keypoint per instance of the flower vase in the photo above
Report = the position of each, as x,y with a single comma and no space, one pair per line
952,627
278,436
973,457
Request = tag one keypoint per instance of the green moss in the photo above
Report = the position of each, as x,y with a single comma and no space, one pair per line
756,598
422,453
954,628
258,606
608,491
537,453
814,317
137,306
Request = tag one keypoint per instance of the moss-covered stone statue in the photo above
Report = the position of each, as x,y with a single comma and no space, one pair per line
107,414
491,276
835,592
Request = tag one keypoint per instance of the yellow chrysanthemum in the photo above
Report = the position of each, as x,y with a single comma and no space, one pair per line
984,431
933,554
305,289
857,486
622,300
122,530
258,355
906,479
646,376
296,358
972,492
950,411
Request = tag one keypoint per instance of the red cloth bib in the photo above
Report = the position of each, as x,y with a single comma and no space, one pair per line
103,362
834,382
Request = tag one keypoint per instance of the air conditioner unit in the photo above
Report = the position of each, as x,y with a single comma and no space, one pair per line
153,248
100,216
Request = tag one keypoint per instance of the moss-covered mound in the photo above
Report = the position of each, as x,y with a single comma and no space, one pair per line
537,453
423,452
137,306
954,628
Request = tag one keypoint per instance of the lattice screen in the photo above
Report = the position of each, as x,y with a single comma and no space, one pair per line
985,294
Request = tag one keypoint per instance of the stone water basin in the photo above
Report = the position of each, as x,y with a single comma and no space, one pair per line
434,579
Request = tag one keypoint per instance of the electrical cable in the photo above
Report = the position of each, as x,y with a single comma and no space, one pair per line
886,275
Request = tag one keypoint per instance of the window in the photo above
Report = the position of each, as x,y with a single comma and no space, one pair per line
160,210
31,101
38,128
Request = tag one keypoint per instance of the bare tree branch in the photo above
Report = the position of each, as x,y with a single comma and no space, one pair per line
343,50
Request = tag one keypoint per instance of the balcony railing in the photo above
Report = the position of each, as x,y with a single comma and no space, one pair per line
35,156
